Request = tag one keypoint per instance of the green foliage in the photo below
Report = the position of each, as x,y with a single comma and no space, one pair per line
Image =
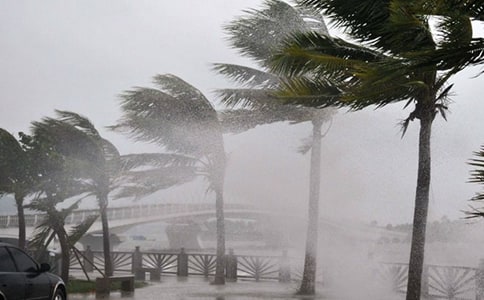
17,164
271,25
477,176
180,119
260,32
176,116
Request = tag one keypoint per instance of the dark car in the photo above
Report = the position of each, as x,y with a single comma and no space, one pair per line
21,277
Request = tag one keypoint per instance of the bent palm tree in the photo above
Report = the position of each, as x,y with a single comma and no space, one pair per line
102,169
57,181
94,159
258,35
395,40
178,117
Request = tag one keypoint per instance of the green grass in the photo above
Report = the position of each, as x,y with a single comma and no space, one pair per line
77,286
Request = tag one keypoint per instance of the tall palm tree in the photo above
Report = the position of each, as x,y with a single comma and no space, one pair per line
16,176
258,35
395,39
177,116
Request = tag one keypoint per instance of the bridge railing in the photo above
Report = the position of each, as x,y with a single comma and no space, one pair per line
182,263
119,213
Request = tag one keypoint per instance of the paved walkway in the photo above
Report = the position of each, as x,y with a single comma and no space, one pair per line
173,288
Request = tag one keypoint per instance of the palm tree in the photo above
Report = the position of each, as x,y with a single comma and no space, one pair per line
378,69
102,169
455,29
57,180
178,117
16,176
53,225
95,159
257,36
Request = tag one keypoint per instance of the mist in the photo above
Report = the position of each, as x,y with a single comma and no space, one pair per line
79,56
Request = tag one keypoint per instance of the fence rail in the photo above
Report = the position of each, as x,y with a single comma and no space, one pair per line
186,264
438,282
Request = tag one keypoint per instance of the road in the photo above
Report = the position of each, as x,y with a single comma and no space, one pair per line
173,288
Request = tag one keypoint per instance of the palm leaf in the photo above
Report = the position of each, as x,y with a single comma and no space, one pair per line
177,117
145,182
247,76
78,231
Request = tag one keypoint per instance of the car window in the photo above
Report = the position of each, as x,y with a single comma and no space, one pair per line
6,262
23,261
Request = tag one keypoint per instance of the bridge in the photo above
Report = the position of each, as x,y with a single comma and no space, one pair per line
124,217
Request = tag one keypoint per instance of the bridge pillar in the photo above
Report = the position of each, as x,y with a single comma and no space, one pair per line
480,281
88,259
231,266
284,268
182,268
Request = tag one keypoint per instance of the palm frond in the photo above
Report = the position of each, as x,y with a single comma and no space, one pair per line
322,55
145,182
477,176
247,76
12,161
78,121
260,32
133,161
249,98
78,231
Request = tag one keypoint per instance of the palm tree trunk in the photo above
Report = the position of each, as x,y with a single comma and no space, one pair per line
415,268
19,201
65,256
220,260
108,264
310,261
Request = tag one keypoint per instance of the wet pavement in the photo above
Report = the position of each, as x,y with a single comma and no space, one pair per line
176,288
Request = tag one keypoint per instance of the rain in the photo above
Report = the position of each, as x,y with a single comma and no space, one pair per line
96,59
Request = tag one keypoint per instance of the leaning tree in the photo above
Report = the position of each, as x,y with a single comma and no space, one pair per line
100,167
180,119
258,35
394,43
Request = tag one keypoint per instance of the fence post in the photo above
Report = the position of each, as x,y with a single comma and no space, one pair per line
182,267
231,266
137,265
88,259
424,290
480,281
284,268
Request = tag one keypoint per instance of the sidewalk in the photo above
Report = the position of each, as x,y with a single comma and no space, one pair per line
190,288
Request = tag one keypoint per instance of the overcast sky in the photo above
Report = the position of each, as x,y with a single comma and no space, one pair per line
79,55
